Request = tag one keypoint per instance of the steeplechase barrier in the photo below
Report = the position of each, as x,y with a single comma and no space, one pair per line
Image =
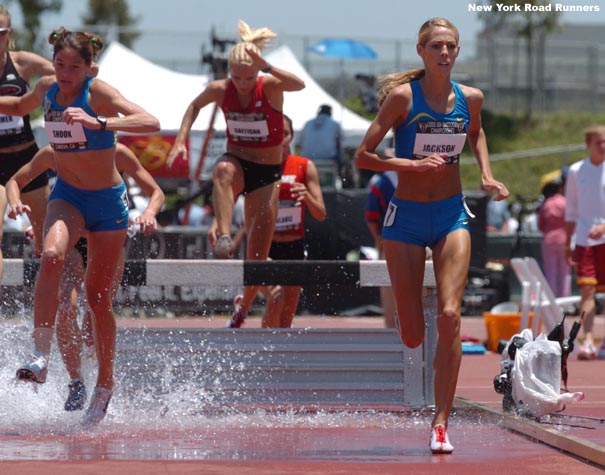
350,367
211,272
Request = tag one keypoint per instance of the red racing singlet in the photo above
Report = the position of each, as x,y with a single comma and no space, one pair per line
291,214
256,126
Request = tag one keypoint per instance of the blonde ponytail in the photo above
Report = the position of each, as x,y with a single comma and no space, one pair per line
388,82
253,39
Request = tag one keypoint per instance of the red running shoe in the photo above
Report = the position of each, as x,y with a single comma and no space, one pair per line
587,352
238,317
440,442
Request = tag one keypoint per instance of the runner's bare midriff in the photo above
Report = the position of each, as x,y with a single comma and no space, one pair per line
263,156
429,186
99,165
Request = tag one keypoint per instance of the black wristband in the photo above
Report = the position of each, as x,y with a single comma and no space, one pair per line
102,120
267,69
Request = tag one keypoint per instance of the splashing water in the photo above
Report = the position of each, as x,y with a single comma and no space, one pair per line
176,398
175,387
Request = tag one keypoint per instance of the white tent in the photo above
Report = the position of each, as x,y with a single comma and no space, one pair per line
167,94
162,92
303,105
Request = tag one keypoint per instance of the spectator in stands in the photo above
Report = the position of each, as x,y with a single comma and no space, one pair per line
584,213
498,216
321,141
551,223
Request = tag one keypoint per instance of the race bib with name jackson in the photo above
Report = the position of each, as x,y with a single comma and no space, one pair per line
441,138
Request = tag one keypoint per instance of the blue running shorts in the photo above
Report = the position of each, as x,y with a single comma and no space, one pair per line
425,224
103,210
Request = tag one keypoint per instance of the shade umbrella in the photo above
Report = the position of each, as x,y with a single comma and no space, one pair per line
343,48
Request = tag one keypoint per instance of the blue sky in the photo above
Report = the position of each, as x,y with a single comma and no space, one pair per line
348,18
355,18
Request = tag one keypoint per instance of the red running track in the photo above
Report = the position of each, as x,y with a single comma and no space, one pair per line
364,443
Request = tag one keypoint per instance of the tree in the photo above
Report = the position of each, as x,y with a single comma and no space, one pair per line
107,14
32,10
532,23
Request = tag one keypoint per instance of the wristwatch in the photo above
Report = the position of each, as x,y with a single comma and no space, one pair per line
101,119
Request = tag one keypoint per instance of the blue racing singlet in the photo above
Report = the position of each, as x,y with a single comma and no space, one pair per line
426,132
75,137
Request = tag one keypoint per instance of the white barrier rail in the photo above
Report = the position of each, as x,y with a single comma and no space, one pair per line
208,272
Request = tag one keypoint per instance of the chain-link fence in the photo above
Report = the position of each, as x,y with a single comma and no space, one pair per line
571,75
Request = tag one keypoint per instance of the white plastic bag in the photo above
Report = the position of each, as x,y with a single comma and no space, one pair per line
536,377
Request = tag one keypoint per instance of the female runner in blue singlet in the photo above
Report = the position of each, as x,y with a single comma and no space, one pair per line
432,117
82,115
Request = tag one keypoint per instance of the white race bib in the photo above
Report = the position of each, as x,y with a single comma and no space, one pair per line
248,130
288,218
10,122
65,137
431,144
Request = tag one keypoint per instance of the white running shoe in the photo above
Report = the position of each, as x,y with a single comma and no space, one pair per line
34,371
98,407
587,352
222,249
440,442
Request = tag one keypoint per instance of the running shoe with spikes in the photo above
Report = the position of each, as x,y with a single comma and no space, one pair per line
34,371
238,317
440,442
236,321
237,302
222,249
98,407
587,352
76,397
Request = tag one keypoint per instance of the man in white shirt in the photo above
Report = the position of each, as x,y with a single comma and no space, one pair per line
584,215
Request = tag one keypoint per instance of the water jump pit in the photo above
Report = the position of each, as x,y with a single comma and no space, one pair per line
175,404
